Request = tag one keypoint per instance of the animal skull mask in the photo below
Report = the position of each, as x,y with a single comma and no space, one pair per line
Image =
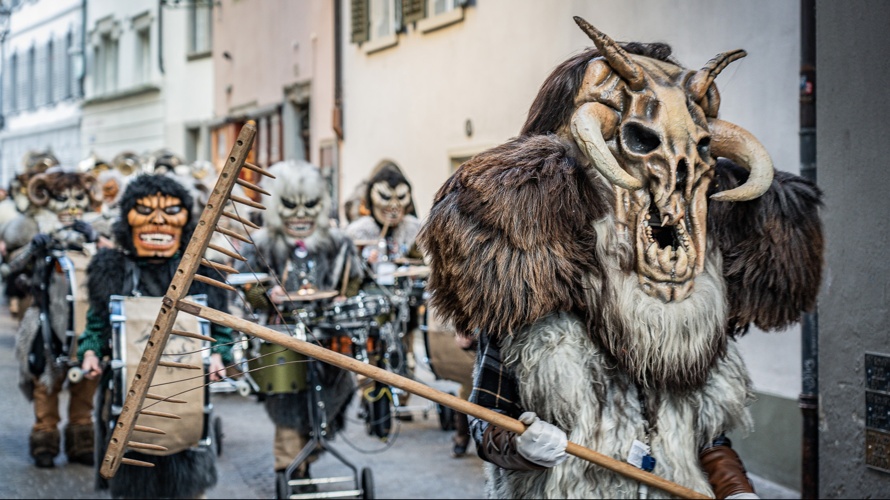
649,128
156,222
300,200
66,194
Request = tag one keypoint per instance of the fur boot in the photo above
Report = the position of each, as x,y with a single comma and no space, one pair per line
44,446
79,443
187,474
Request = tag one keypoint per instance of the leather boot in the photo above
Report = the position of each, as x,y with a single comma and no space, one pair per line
461,437
44,447
79,444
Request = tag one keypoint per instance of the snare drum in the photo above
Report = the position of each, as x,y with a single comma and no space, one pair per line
357,310
132,320
276,369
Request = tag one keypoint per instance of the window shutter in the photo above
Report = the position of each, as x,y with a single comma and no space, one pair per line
74,52
361,21
60,76
7,85
24,99
413,11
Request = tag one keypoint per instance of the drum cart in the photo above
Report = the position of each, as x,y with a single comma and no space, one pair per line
362,479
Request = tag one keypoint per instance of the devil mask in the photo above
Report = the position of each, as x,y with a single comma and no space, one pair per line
389,195
649,127
155,220
300,202
66,194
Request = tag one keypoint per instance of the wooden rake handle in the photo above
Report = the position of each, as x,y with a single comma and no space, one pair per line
389,378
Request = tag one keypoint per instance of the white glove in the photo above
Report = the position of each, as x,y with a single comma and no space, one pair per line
541,443
743,496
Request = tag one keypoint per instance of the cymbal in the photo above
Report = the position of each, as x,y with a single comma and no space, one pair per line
405,261
247,278
310,295
412,272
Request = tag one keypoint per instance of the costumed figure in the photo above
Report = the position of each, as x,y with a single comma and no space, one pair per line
44,269
298,246
111,184
154,228
608,258
388,234
18,226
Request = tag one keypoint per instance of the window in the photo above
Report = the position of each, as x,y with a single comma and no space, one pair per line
105,56
69,66
192,143
441,13
143,55
31,77
200,20
383,19
14,95
49,76
437,7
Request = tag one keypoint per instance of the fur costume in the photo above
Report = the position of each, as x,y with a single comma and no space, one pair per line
368,227
299,199
119,271
552,245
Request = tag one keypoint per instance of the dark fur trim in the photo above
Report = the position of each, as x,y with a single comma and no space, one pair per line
772,249
148,185
292,409
79,440
186,474
512,227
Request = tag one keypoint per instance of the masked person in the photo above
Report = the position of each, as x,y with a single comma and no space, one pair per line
154,228
393,225
299,247
608,261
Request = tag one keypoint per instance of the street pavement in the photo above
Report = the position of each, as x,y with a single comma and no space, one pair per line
415,463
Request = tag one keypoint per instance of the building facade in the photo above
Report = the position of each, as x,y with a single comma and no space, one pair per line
149,78
41,82
429,83
275,65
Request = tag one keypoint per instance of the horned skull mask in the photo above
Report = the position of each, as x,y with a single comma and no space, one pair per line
156,222
66,194
650,128
301,200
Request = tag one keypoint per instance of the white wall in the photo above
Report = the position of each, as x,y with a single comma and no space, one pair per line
410,102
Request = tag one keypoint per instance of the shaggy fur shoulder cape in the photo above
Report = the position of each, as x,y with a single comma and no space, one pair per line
510,238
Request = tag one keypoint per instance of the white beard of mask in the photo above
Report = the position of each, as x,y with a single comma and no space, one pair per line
68,205
390,204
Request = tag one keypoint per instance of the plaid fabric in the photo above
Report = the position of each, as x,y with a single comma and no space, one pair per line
494,387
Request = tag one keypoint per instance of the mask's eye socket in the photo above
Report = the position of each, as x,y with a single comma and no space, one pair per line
383,196
311,203
144,210
639,139
61,197
79,197
288,204
173,210
704,148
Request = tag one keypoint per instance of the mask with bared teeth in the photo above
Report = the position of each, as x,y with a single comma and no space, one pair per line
389,195
155,220
300,202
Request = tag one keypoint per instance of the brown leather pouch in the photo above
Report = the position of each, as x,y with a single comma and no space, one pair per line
725,471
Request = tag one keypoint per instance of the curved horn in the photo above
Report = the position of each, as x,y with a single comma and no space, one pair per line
739,145
38,191
588,124
703,79
617,57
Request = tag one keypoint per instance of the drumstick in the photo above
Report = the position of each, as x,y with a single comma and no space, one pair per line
345,277
383,233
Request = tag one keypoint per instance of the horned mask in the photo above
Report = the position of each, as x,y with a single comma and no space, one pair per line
300,198
66,194
650,129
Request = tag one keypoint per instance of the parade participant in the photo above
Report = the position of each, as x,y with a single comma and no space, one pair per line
298,246
111,185
610,261
393,219
59,199
154,228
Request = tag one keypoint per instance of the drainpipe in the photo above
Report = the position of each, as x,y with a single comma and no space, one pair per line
161,36
809,396
82,79
338,74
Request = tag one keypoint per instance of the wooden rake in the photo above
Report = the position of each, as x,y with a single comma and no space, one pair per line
174,301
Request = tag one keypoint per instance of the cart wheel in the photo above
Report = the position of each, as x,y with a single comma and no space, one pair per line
446,417
218,435
282,489
367,484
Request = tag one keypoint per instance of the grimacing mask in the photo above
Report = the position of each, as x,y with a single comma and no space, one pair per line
301,200
66,194
389,204
156,223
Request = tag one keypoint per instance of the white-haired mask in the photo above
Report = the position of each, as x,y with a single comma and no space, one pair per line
300,201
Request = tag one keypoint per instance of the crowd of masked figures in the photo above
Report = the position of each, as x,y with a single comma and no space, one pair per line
88,252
